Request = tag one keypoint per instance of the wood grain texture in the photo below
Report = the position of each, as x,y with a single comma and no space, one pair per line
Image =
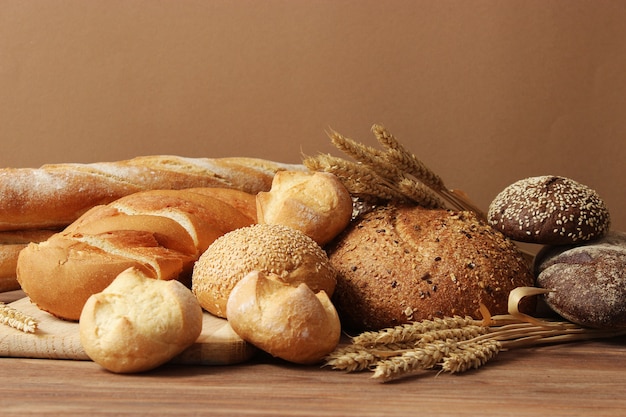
218,344
578,379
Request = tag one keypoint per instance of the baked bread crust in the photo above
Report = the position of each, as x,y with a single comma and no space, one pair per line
549,210
55,195
588,281
286,321
398,264
160,233
137,323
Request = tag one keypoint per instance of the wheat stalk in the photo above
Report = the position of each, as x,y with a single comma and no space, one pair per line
16,319
455,344
391,173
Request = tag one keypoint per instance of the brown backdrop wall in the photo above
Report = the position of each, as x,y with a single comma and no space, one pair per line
485,92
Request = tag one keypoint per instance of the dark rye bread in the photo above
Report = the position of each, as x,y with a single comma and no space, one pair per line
396,265
549,210
589,281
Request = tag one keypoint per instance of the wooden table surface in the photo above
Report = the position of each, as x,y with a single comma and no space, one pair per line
583,378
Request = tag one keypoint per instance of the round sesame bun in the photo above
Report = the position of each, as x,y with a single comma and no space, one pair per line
396,265
549,210
588,281
289,322
277,249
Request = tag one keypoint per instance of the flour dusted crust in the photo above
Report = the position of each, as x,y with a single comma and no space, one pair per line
588,281
549,210
401,264
55,195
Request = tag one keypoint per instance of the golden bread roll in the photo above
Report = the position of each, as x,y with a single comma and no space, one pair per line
55,195
396,265
160,233
138,323
289,322
316,203
277,249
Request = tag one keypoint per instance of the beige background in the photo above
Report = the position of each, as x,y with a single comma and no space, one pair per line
485,92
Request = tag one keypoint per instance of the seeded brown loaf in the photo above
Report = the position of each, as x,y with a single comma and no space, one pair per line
588,281
549,210
401,264
159,233
55,195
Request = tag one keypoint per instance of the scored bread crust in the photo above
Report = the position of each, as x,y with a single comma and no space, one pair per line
55,195
396,265
160,233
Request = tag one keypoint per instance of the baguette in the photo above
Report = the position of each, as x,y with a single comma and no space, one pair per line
55,195
160,233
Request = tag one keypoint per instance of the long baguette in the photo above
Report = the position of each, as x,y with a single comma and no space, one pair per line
159,232
55,195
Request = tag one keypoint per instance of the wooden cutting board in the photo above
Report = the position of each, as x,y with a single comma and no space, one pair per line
218,344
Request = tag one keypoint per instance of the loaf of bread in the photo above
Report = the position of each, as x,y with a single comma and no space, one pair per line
138,323
161,233
290,322
588,281
549,210
53,196
398,264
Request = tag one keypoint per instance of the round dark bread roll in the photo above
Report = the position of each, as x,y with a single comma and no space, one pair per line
549,210
589,281
397,265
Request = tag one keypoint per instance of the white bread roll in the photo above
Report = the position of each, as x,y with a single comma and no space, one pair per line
161,233
316,203
138,323
289,322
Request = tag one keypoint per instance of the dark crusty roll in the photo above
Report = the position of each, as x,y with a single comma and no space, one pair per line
549,210
588,281
401,264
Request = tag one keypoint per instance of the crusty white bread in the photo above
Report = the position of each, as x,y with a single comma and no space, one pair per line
291,322
137,323
161,233
55,195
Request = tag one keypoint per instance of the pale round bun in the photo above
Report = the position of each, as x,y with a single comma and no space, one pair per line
588,281
549,210
138,323
277,249
289,322
397,265
316,203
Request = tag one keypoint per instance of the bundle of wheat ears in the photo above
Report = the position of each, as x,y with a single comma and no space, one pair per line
392,173
455,344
